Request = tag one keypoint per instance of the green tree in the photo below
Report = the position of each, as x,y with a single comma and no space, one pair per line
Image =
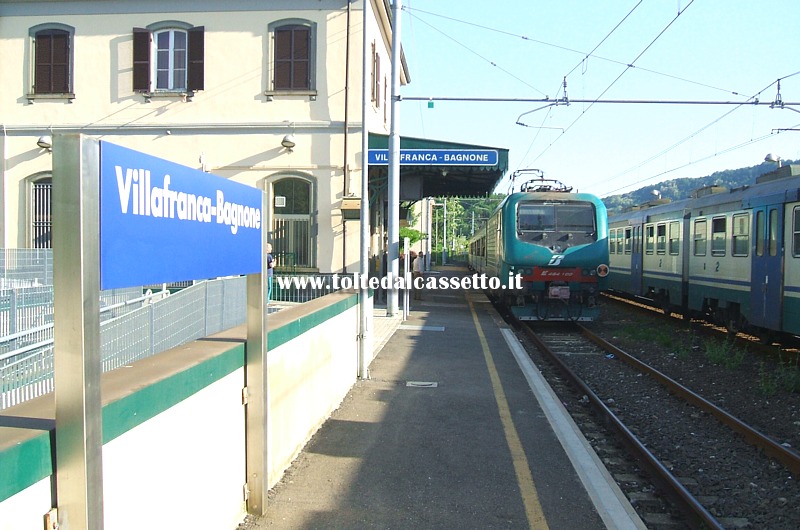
412,234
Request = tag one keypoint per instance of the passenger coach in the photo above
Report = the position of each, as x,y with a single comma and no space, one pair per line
732,256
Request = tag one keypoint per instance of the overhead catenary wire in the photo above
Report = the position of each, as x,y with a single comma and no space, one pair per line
551,103
627,69
413,13
752,100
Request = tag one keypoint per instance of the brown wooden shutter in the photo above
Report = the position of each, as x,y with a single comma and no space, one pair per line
141,60
283,60
196,74
292,58
301,59
52,62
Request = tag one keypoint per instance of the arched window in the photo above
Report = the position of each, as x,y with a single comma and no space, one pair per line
168,58
293,57
52,61
293,226
41,223
170,46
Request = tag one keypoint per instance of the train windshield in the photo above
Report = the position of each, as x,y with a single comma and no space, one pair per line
575,220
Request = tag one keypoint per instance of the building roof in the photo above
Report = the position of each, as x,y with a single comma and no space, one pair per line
439,180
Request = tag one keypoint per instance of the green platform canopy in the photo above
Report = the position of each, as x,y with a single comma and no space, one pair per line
450,180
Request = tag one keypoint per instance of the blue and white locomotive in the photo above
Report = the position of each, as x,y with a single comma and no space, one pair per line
555,241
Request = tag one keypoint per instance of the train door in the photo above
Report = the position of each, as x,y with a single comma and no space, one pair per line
767,265
636,258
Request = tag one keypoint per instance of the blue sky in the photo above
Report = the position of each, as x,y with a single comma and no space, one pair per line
715,50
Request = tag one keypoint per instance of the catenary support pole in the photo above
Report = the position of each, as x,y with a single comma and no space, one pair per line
394,164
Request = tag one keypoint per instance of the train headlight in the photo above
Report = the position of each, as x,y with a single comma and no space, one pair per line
602,270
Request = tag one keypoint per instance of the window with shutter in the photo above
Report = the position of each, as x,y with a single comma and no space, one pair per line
168,59
51,64
293,57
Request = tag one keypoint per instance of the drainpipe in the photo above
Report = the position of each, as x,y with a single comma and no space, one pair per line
364,306
345,167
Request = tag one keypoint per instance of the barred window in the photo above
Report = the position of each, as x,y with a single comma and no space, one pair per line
294,224
41,207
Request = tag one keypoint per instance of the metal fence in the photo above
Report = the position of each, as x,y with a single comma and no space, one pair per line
132,329
315,285
26,267
128,335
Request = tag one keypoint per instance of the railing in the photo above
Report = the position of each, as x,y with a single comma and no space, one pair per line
26,267
309,292
135,329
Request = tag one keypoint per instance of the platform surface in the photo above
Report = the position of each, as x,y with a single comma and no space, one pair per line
453,429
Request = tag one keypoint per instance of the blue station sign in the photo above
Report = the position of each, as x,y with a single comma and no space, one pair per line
436,157
164,222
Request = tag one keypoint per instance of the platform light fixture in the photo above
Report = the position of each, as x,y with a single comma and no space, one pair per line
45,142
288,141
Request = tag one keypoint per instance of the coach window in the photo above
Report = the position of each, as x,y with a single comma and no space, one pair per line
719,234
628,233
661,239
740,232
700,237
796,233
773,232
674,238
649,239
759,234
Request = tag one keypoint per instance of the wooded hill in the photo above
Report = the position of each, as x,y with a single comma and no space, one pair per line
682,188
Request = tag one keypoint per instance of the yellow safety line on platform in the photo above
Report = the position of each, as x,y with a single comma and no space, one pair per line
530,498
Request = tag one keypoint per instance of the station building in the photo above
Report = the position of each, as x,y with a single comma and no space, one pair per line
277,95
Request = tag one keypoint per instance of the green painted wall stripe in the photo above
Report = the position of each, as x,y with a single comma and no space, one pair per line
25,464
125,414
29,462
282,335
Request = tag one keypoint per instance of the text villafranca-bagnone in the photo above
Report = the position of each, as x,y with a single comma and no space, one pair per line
137,196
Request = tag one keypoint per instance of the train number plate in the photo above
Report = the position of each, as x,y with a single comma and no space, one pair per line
560,292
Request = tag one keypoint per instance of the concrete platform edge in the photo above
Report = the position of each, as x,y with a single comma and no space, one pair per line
611,503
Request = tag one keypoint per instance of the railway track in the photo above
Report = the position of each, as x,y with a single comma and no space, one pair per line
717,471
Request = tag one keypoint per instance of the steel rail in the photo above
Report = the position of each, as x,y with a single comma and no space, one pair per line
787,457
689,505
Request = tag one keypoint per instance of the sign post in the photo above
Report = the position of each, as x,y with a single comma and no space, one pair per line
76,331
122,218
